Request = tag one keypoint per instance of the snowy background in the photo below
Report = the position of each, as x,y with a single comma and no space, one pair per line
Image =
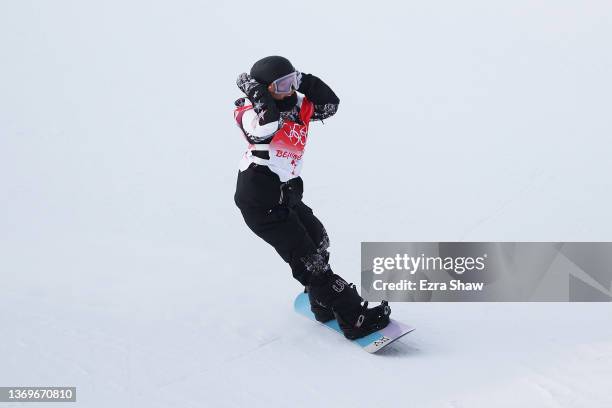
126,270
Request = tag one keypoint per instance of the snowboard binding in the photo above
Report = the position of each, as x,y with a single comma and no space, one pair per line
368,321
335,298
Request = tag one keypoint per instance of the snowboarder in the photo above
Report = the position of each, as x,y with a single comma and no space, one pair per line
274,118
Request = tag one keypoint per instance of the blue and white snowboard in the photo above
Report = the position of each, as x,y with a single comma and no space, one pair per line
372,342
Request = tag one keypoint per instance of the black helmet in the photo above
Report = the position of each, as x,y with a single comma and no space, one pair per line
267,70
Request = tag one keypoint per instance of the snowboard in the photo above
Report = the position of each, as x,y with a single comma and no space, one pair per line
371,343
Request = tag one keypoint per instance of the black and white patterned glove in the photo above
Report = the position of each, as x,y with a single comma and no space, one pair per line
246,84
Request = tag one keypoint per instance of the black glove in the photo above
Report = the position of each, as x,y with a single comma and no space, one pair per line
317,91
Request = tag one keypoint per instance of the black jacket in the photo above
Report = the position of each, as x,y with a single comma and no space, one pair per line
258,188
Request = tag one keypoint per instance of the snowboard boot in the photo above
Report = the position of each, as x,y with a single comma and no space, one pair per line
321,313
354,318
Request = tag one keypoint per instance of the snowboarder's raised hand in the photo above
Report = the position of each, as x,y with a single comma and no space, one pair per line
325,100
246,84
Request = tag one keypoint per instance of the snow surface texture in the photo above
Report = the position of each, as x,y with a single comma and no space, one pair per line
127,271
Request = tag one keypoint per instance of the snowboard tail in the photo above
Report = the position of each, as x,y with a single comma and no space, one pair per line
371,343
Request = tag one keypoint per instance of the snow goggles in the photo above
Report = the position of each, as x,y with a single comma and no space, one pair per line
287,83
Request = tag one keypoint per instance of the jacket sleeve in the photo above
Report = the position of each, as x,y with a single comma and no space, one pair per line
264,120
321,95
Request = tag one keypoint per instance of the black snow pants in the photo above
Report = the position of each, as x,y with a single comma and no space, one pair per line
275,212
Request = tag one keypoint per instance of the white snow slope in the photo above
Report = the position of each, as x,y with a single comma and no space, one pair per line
126,270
